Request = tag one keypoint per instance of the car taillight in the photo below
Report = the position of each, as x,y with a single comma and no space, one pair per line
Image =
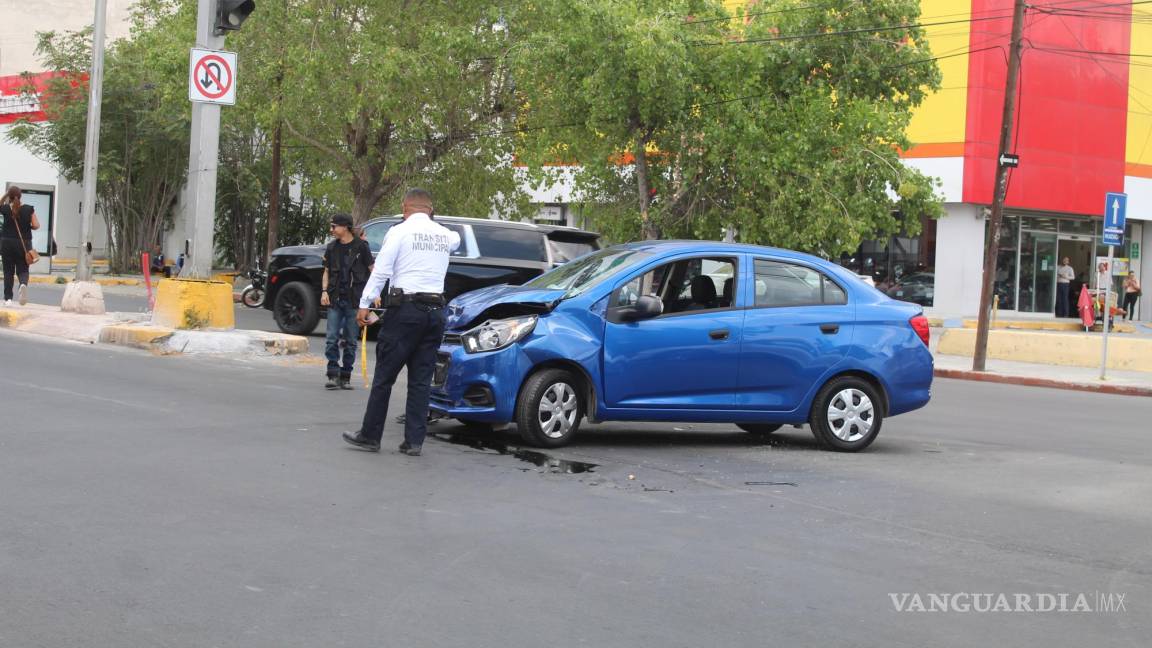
273,278
920,325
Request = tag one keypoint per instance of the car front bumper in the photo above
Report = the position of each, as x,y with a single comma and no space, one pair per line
478,386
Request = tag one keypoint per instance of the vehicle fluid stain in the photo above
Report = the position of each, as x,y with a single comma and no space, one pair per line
540,459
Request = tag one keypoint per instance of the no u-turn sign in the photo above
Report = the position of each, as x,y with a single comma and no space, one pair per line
212,77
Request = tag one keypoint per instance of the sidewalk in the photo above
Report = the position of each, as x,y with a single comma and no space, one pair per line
1130,383
135,330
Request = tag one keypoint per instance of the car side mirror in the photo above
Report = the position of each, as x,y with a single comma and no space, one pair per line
646,307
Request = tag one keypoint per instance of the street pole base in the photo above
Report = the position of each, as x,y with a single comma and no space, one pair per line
83,297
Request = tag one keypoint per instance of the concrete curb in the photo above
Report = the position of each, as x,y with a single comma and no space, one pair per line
1120,390
113,329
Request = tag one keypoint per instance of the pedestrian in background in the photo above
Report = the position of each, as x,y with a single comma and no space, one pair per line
1065,273
347,266
16,242
410,272
1131,295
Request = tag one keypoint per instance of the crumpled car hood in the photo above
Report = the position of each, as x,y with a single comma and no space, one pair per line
496,302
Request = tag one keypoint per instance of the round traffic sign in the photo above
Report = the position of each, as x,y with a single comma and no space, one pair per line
212,76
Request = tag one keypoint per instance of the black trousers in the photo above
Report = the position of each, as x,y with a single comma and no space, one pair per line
1130,300
14,264
409,336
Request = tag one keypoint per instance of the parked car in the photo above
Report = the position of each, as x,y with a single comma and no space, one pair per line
685,331
918,288
491,252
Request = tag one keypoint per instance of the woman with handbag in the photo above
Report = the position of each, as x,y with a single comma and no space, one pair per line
16,242
1131,295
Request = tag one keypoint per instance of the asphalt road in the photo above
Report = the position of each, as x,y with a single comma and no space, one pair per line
181,501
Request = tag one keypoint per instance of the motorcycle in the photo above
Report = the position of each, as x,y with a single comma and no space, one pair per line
253,295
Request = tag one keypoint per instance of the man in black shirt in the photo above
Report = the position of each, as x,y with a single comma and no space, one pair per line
347,265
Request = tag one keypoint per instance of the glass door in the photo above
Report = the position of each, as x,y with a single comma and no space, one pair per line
1037,272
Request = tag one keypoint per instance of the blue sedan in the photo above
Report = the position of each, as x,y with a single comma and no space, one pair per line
690,331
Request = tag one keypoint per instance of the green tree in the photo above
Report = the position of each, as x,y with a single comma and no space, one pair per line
389,93
778,126
144,124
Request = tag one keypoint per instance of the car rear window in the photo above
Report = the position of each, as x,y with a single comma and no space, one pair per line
567,248
509,243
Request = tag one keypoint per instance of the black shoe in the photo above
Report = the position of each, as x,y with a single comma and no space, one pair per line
346,383
358,440
411,451
332,384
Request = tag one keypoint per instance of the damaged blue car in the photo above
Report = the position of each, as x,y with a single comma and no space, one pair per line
690,331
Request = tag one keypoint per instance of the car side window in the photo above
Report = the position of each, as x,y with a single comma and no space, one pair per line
685,286
787,284
374,234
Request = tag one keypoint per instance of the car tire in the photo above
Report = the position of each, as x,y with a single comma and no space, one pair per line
759,429
297,310
549,408
847,414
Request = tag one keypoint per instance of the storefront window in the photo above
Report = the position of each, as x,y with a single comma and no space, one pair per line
1006,270
902,267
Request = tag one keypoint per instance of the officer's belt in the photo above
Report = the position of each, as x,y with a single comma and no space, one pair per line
432,299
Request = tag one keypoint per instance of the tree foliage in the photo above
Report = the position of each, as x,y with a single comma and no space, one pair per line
144,124
716,123
390,93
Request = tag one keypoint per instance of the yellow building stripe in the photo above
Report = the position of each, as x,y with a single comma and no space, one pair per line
1139,133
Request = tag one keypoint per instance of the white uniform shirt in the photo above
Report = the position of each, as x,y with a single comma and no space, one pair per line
1065,274
414,256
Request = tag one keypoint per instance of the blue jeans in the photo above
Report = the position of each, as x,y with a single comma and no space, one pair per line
341,321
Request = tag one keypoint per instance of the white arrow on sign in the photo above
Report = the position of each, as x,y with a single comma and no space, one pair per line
1115,210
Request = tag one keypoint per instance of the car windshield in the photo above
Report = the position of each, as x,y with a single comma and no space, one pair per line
584,273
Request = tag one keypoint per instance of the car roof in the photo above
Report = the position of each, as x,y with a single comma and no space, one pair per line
467,220
719,247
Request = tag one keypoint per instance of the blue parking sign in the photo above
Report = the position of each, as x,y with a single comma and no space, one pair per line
1115,213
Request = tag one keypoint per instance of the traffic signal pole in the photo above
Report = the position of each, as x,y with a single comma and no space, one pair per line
999,189
203,156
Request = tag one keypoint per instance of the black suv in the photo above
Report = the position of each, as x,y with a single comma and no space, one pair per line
491,252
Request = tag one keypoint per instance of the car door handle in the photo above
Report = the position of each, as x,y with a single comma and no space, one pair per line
718,334
829,329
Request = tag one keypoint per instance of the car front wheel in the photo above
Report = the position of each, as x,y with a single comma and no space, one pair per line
549,409
296,310
847,414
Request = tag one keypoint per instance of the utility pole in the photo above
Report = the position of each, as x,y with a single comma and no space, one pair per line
203,156
84,295
92,145
999,189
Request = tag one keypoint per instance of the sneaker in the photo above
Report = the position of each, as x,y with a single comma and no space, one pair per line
23,294
346,383
7,302
411,451
332,384
358,440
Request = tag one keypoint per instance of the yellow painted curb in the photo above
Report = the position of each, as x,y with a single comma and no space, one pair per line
935,322
194,304
1046,325
11,318
1065,349
140,336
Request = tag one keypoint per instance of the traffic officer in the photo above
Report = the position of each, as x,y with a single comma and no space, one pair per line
409,271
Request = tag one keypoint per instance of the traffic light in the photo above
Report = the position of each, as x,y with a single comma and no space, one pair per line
230,14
